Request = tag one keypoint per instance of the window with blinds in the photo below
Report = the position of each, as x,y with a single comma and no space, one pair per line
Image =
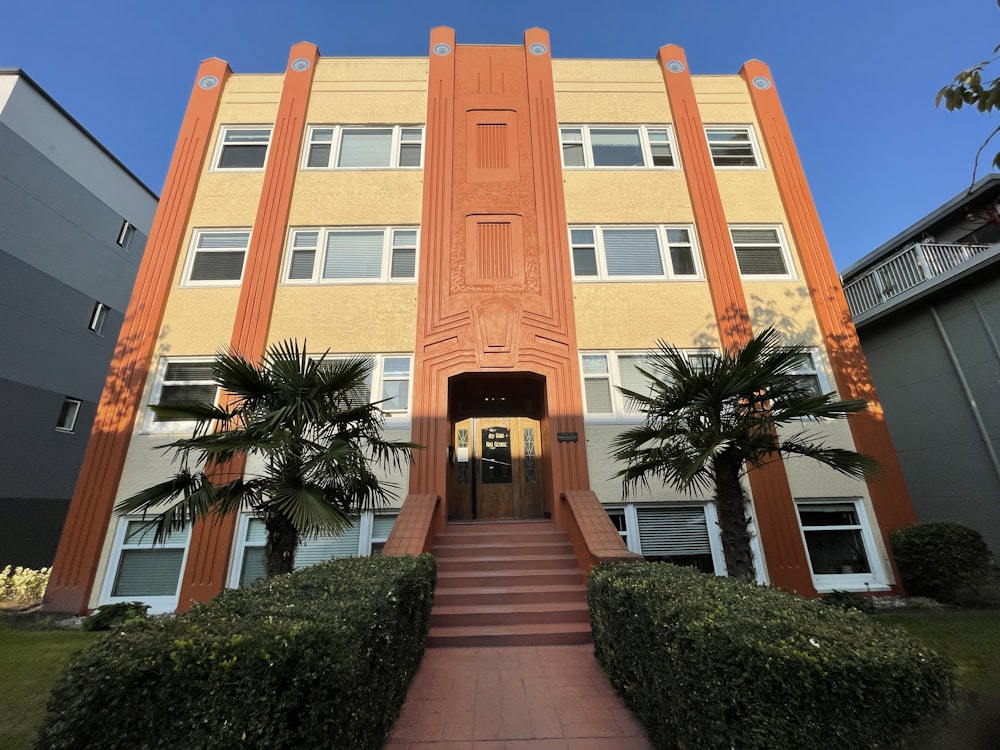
352,255
218,257
605,373
145,571
388,380
364,147
182,383
732,147
680,534
760,251
617,147
618,253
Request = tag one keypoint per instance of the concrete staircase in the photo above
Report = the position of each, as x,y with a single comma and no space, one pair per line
507,583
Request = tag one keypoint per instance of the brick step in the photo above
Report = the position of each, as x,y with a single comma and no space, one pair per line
447,596
492,578
538,634
496,563
493,548
470,615
499,527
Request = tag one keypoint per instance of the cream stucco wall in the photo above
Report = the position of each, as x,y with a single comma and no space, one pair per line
609,91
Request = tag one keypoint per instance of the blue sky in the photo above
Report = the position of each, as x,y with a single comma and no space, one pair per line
857,77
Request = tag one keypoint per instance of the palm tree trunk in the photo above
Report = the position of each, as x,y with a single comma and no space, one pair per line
731,506
282,539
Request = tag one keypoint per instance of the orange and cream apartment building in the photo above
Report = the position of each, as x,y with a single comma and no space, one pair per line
504,234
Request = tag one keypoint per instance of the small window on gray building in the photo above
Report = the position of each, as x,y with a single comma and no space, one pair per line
98,317
68,414
125,234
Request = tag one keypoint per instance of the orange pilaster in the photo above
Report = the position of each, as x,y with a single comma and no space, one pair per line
76,561
871,434
212,541
493,172
777,522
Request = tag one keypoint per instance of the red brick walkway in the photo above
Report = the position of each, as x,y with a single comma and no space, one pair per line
514,698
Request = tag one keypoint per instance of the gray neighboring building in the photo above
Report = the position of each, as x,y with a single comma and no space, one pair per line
73,227
927,308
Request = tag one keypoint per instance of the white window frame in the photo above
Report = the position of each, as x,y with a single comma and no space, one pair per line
172,427
781,245
620,412
812,368
366,540
633,540
125,234
221,144
72,414
394,418
824,583
196,237
751,140
97,318
157,604
390,244
644,142
662,238
336,138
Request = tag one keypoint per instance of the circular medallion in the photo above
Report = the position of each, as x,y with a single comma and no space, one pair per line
208,82
538,49
762,83
675,66
300,64
442,49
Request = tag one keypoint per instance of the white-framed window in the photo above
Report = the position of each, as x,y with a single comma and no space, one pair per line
68,413
364,147
733,147
125,234
388,381
140,570
810,375
680,534
180,381
605,372
617,146
217,257
761,252
366,536
242,148
839,544
634,253
97,318
351,255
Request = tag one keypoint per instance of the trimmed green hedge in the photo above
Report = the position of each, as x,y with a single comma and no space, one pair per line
319,658
709,662
939,559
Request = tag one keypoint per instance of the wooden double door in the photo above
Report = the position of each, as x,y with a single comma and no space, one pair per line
495,469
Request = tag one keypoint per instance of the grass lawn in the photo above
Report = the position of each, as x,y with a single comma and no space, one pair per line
30,661
970,638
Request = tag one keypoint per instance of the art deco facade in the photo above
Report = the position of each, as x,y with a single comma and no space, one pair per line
503,234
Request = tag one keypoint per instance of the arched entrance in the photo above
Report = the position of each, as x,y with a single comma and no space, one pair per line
497,447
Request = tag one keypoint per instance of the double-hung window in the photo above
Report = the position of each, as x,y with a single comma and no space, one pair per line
181,382
680,534
365,147
352,255
732,146
242,148
605,372
365,536
636,253
217,258
840,545
809,376
143,571
388,381
761,252
617,147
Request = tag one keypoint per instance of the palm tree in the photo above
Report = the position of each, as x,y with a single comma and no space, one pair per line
708,421
307,420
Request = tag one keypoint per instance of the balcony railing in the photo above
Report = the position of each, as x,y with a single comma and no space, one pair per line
904,270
